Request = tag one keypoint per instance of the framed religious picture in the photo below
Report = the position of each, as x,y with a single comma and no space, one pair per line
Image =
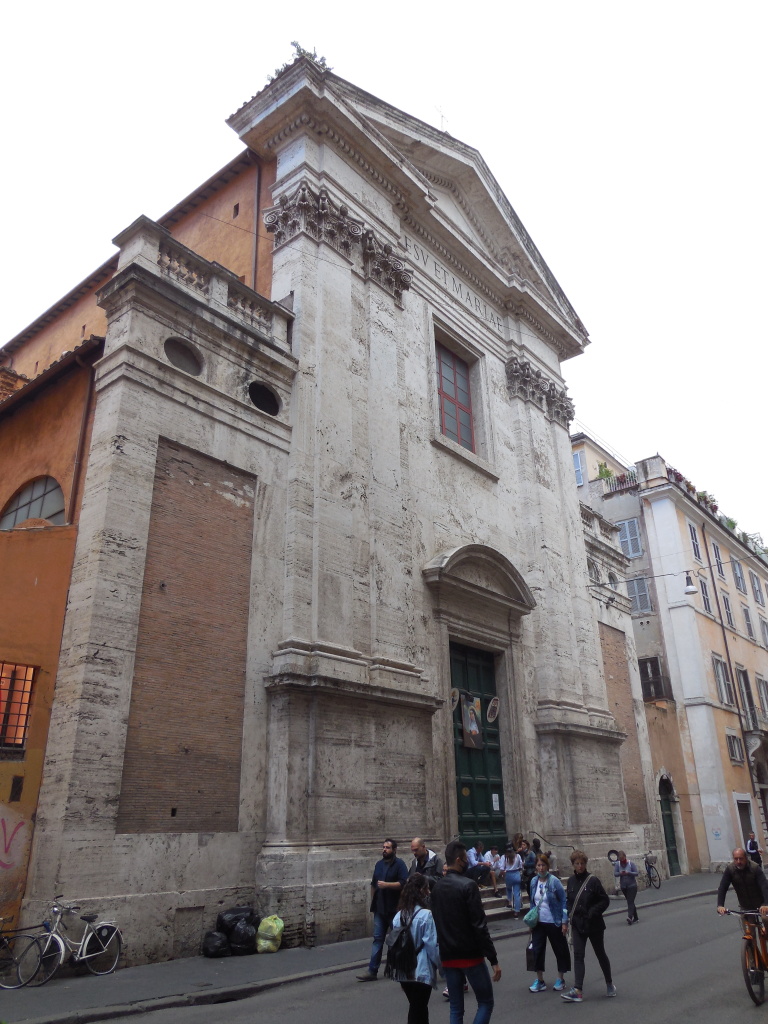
471,712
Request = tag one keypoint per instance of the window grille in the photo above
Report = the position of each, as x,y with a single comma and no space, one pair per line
15,695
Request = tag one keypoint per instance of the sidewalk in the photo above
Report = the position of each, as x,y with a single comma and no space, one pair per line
70,999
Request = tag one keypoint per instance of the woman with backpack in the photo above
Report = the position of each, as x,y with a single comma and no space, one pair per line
413,958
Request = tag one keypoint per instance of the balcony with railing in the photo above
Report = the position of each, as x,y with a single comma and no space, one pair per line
618,482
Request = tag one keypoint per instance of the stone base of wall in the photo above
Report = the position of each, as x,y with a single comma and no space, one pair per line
155,926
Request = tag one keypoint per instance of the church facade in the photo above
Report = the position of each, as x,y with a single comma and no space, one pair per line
329,581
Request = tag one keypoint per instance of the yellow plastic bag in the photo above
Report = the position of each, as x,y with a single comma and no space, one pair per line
270,934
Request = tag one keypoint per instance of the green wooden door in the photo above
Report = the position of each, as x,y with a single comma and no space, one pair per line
478,771
668,823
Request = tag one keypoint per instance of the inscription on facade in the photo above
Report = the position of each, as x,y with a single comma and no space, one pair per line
456,288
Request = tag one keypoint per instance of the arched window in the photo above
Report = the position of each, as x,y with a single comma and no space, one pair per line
594,571
39,499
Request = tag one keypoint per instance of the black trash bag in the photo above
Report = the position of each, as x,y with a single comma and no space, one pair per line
216,944
227,919
242,939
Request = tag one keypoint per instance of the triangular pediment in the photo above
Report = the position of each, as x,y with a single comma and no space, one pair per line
436,182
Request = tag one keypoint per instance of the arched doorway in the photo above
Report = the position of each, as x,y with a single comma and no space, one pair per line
480,599
666,798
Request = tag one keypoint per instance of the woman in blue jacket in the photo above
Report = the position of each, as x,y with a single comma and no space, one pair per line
413,910
548,894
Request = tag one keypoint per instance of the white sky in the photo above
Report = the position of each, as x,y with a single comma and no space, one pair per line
629,138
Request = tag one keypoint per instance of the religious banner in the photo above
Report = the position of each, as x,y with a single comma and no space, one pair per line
471,712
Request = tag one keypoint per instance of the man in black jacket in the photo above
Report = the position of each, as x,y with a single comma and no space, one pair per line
749,883
463,938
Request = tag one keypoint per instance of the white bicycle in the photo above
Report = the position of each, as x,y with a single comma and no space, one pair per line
99,946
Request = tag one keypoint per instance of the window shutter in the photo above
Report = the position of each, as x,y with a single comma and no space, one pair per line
629,538
639,596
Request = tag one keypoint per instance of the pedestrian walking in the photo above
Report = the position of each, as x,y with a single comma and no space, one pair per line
753,850
586,902
463,938
548,897
627,871
414,913
389,876
512,865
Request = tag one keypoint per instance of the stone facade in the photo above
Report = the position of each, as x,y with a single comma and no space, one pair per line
286,638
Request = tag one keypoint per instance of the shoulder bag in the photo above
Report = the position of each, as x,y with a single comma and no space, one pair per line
573,911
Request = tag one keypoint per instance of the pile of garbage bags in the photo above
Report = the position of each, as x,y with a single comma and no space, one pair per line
240,932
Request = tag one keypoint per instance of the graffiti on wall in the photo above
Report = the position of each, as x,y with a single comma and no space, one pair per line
8,833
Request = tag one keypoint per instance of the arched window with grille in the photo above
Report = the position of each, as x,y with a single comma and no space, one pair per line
41,498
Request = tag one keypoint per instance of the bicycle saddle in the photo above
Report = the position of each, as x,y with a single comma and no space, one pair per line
89,918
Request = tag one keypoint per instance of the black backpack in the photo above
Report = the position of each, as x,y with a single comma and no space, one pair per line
401,951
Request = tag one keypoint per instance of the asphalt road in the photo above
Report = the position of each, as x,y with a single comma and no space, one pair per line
680,962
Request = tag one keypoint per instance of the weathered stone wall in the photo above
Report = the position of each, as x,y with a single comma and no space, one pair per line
377,541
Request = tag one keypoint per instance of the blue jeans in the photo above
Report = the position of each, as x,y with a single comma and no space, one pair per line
381,923
512,879
480,982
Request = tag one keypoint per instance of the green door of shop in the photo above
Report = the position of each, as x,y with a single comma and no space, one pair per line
478,766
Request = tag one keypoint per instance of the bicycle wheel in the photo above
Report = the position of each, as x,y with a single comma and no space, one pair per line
754,975
653,877
50,960
19,960
102,949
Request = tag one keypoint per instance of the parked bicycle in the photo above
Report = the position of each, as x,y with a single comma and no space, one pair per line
754,952
654,878
20,957
99,946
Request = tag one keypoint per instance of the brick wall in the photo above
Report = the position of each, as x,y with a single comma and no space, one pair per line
614,650
183,751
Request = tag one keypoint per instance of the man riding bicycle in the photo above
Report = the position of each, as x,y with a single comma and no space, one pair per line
748,881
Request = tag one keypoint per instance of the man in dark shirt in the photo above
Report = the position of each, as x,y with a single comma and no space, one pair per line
389,876
462,935
749,883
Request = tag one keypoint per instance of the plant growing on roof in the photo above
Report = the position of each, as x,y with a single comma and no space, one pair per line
603,473
299,51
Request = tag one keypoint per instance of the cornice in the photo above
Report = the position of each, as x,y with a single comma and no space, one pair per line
469,213
448,256
305,121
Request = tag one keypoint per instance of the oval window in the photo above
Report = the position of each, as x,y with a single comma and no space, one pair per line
264,398
183,356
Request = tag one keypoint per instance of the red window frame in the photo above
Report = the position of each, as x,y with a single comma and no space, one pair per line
455,398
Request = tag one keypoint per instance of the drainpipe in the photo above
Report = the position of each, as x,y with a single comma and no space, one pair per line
728,660
80,452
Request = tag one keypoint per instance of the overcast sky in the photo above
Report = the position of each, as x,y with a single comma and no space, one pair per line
629,138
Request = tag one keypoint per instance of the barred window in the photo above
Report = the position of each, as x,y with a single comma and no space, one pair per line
39,499
15,694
